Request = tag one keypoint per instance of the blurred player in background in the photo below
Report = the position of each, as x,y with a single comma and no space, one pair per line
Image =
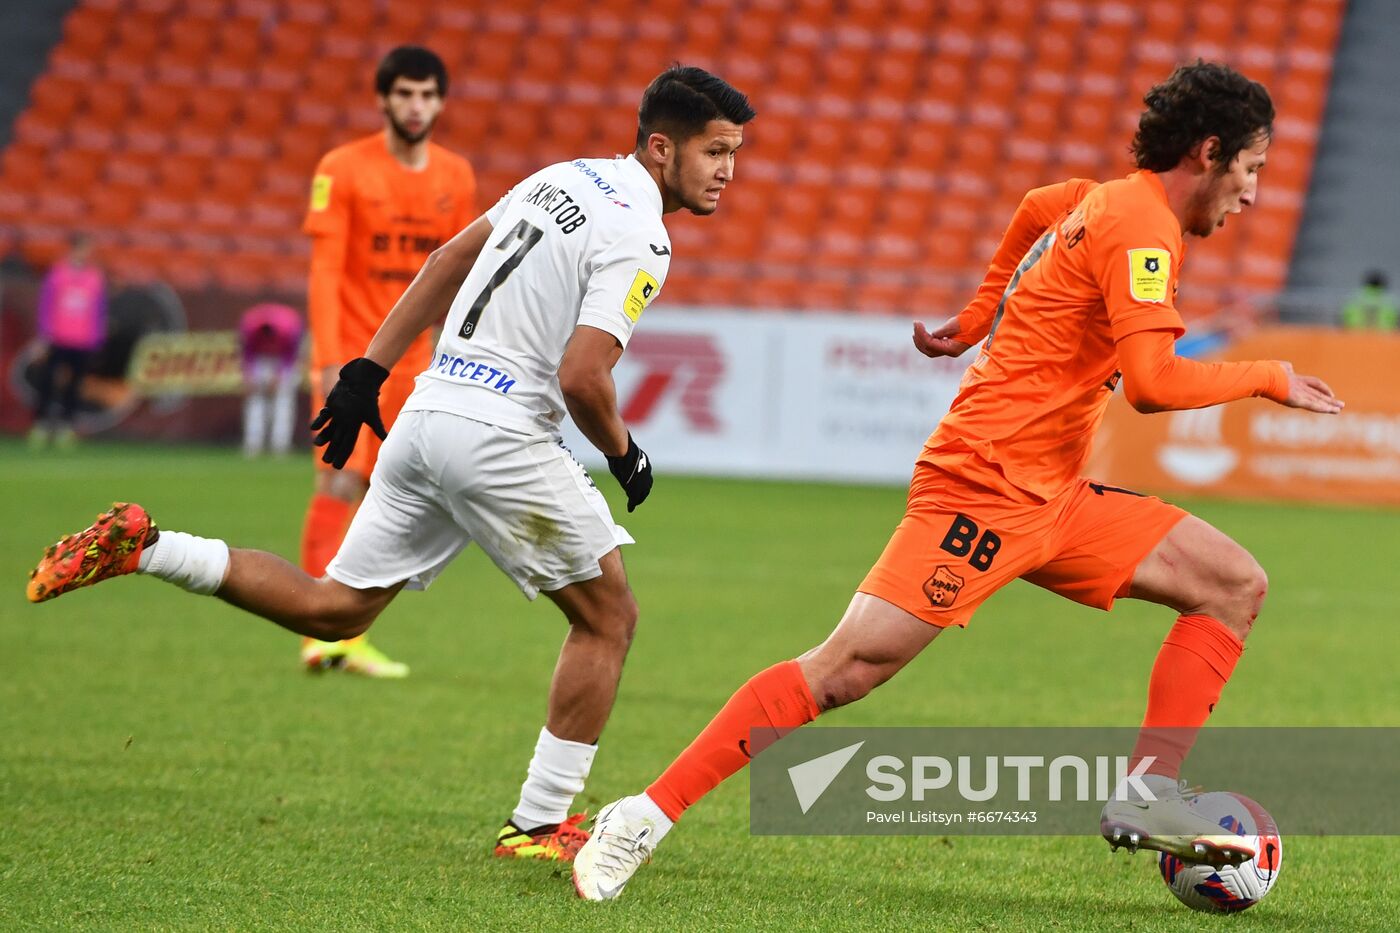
1074,302
379,206
72,322
269,339
544,289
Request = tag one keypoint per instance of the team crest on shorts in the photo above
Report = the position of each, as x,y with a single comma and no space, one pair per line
943,587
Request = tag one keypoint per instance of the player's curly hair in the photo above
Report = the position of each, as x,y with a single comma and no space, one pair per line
683,98
1199,101
412,62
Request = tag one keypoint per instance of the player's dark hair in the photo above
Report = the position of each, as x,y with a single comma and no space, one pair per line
1199,101
412,62
683,98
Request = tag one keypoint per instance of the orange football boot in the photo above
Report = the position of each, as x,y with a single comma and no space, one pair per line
109,547
560,842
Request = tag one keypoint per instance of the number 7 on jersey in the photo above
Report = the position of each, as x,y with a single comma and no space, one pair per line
528,235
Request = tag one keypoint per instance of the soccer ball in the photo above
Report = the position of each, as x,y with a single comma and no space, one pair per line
1228,889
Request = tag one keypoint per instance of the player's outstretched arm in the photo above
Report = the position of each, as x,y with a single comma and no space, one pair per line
1156,379
429,295
585,378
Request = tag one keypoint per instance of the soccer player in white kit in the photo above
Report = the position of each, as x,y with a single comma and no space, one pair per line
545,289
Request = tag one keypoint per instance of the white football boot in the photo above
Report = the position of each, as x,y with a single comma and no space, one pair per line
622,839
1168,824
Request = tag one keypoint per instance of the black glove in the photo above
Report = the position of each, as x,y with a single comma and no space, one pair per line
633,472
354,401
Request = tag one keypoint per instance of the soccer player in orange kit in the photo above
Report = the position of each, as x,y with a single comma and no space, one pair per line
379,206
1079,299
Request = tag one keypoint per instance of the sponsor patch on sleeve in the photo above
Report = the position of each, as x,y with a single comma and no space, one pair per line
1148,273
321,192
643,290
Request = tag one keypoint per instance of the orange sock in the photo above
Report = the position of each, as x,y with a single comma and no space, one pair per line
771,704
1196,660
327,518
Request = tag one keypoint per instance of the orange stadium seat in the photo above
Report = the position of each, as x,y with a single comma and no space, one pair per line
298,153
213,108
34,127
23,166
490,59
107,103
881,297
128,64
294,41
843,71
825,295
1165,22
113,208
190,41
161,102
87,30
236,179
591,61
57,97
183,177
355,18
407,22
44,244
76,169
139,31
794,70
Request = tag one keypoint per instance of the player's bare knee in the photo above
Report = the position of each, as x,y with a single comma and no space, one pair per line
851,680
624,620
1253,589
614,620
1240,588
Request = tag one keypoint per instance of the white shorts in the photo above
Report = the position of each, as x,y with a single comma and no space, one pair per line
443,481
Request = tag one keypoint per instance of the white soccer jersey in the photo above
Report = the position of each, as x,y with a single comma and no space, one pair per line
576,243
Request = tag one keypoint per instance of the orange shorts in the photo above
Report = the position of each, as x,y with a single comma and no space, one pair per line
959,544
392,396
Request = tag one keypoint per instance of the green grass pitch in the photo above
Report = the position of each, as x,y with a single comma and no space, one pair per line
165,765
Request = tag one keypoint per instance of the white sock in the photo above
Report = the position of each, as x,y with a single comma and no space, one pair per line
642,808
284,413
254,423
190,562
556,776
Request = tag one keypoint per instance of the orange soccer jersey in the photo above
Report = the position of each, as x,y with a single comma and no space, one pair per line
1107,269
373,222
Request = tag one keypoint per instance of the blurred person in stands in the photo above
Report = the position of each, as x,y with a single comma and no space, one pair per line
72,322
1372,306
379,206
269,339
